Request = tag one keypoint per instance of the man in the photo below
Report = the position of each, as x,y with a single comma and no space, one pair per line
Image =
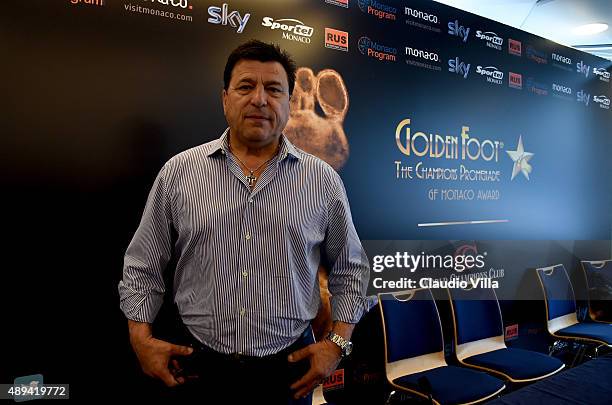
249,218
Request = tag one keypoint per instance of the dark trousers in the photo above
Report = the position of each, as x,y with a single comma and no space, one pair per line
243,379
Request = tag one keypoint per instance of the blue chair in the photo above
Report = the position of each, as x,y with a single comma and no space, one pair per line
561,319
479,339
598,281
414,353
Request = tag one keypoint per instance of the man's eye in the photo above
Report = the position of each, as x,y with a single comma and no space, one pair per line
275,90
245,87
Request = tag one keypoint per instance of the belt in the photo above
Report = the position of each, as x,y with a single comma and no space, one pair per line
302,341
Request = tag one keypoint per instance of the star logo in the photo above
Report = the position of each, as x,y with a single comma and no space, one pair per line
520,159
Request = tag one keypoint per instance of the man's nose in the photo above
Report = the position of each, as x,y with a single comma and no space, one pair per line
259,96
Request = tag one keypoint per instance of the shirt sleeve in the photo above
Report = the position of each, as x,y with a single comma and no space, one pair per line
142,287
345,257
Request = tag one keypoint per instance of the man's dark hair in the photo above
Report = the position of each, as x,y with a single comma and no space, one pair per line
262,52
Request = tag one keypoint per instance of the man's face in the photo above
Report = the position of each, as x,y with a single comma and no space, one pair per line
256,103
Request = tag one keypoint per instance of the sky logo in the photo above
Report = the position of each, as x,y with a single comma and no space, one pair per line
583,97
461,68
583,68
220,15
455,29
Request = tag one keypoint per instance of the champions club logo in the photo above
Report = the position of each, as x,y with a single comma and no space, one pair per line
458,30
492,74
221,16
492,39
375,50
380,10
459,67
602,101
292,29
336,39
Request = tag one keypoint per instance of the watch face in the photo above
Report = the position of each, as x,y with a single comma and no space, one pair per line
348,349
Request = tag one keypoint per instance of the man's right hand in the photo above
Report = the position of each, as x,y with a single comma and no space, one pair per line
156,356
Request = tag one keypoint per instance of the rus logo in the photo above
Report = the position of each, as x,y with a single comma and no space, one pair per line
336,39
458,30
458,67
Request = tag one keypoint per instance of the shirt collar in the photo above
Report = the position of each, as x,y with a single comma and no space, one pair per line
221,145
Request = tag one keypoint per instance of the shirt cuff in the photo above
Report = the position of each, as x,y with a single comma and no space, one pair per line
348,308
139,306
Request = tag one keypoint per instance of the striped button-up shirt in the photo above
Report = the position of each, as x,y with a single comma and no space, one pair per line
246,259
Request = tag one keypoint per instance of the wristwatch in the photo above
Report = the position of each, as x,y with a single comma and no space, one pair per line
346,346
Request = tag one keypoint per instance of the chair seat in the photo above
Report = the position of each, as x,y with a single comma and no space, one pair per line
454,385
517,364
599,331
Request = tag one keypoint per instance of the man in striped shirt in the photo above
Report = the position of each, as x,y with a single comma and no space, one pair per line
249,218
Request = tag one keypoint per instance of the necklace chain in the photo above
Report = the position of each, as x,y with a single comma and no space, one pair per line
251,178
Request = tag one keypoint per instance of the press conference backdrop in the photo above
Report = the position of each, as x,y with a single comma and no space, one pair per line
443,125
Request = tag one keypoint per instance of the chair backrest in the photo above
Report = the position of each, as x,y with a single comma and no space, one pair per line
598,279
413,333
558,296
477,320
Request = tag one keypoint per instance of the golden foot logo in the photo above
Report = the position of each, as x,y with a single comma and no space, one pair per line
521,160
323,137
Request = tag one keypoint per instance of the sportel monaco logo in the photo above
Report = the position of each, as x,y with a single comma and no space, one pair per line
602,74
336,39
458,30
458,67
221,16
293,30
492,39
492,74
515,80
602,101
583,97
583,69
375,50
515,47
377,9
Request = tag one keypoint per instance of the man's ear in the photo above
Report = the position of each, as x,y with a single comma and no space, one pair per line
223,99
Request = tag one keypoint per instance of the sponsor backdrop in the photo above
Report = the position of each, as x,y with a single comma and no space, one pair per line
443,125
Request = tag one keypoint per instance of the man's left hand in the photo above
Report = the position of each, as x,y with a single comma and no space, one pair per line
324,357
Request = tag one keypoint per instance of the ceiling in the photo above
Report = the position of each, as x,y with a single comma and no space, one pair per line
550,19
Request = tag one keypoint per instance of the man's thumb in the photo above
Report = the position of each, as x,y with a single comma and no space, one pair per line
181,350
299,354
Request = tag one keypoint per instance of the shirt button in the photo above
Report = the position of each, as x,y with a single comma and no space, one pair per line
242,311
251,200
244,273
247,236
